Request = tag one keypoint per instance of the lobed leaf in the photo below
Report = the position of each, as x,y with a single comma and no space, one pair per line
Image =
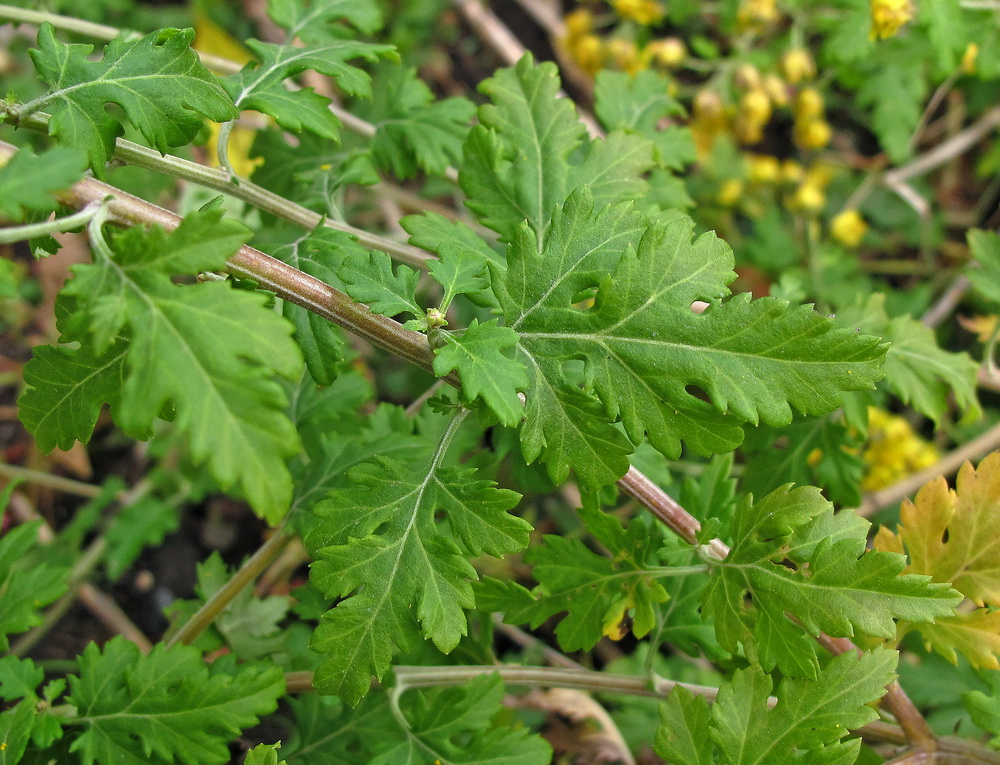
785,559
158,80
379,547
27,584
165,706
28,182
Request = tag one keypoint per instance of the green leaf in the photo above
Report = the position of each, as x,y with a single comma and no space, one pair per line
158,80
684,719
945,26
985,248
65,389
27,182
893,86
644,349
140,524
165,706
15,731
517,159
488,372
27,585
786,561
985,712
324,18
414,131
264,754
917,369
19,678
597,592
208,350
259,86
379,546
372,279
319,253
807,724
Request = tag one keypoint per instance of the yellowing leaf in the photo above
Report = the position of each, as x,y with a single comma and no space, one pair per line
975,635
954,535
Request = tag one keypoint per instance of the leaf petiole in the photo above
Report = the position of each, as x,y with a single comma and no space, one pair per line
55,226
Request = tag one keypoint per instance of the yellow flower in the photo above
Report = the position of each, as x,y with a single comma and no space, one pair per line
624,54
812,134
644,12
848,228
730,192
798,65
578,23
754,14
808,197
791,171
747,77
708,106
889,15
969,58
894,450
669,52
755,107
588,52
763,168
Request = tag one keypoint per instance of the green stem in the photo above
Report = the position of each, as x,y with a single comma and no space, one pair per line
45,228
42,478
247,191
216,604
68,23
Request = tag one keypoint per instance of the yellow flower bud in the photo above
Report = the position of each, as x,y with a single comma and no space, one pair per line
755,14
798,65
578,23
669,52
808,104
730,192
763,168
808,198
776,90
644,12
848,228
888,16
791,171
969,58
624,54
708,106
755,107
747,77
588,51
812,134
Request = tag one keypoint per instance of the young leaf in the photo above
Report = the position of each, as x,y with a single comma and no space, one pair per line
141,524
414,131
595,591
15,731
323,28
894,87
19,678
644,348
165,706
517,164
832,585
952,536
264,754
806,725
209,350
479,355
27,585
372,279
27,182
158,81
378,545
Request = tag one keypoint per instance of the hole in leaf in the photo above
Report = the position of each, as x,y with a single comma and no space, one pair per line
439,516
696,391
585,299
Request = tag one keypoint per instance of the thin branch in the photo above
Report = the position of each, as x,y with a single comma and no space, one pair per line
218,179
216,604
947,303
42,478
